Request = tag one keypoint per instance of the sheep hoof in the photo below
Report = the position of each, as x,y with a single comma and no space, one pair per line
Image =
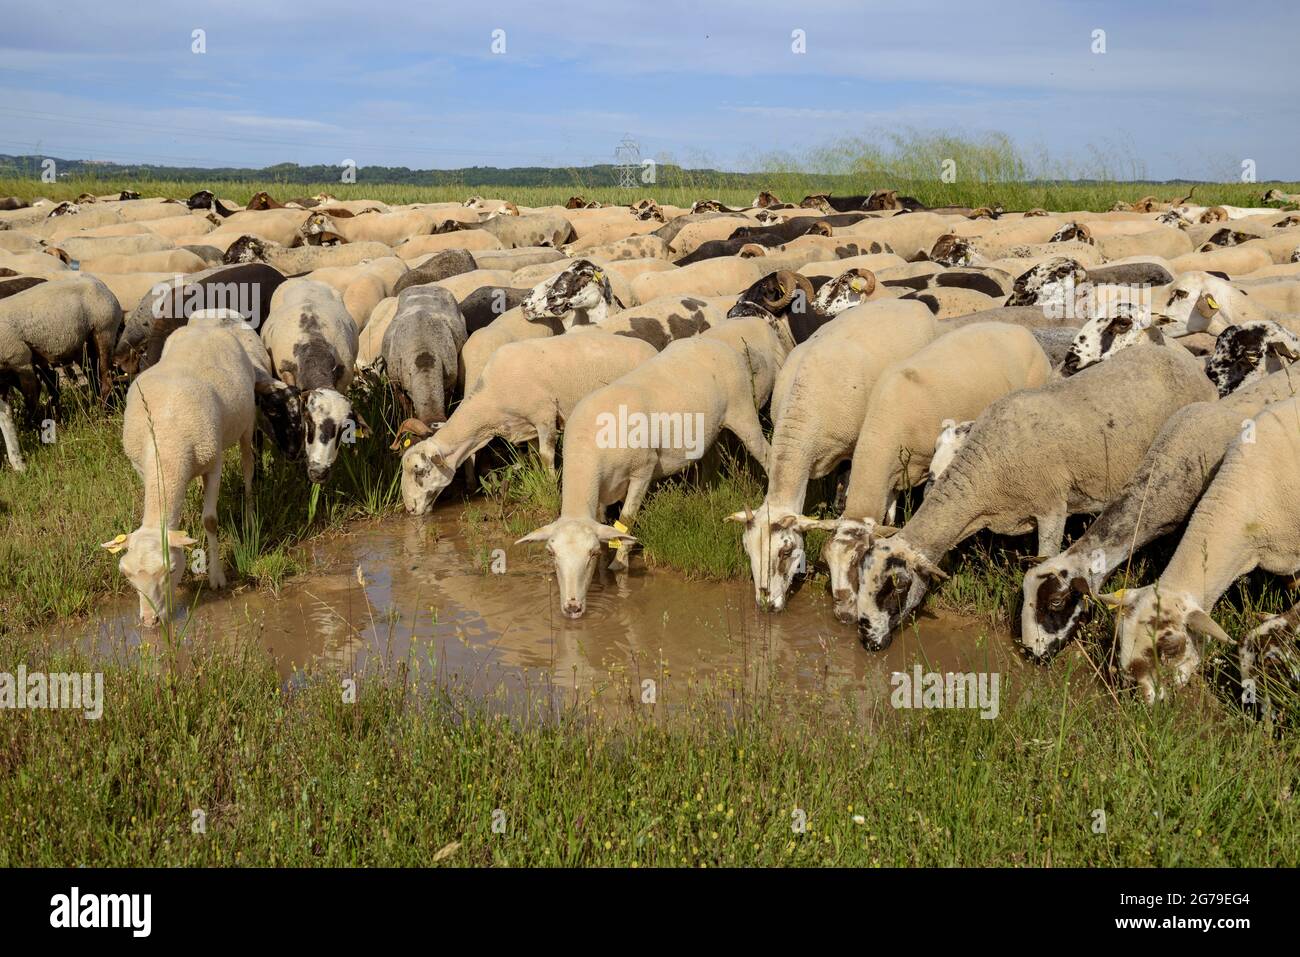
217,580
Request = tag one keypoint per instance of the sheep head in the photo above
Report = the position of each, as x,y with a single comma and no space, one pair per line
1054,604
152,570
773,539
426,465
850,288
843,554
893,578
1155,630
1103,336
575,545
952,250
328,420
1196,302
1246,353
582,287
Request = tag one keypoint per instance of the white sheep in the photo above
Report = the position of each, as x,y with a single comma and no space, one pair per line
1245,520
818,405
181,415
956,376
1033,458
651,423
527,391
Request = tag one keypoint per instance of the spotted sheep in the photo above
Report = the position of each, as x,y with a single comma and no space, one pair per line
1247,352
1032,458
312,342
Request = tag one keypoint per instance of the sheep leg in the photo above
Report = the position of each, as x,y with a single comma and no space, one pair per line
467,471
744,425
1051,532
211,486
246,461
10,433
104,362
546,448
636,489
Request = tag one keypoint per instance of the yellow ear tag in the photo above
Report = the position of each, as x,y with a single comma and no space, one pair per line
116,545
619,527
599,275
1119,593
1212,303
857,285
406,443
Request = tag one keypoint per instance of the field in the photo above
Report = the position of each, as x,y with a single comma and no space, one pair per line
1072,773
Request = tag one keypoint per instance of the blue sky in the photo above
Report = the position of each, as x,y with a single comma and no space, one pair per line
1183,89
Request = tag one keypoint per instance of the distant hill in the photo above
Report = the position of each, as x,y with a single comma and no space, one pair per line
600,175
473,176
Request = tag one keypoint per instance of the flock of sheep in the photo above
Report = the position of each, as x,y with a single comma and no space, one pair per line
1023,366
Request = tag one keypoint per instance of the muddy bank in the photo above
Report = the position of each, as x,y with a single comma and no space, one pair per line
417,589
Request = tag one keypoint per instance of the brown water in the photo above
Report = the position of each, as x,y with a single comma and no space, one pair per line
427,594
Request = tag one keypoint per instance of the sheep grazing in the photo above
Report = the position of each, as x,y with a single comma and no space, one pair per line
578,295
527,391
956,376
312,341
818,405
181,415
1032,458
46,327
1245,520
651,423
421,349
1156,501
1246,353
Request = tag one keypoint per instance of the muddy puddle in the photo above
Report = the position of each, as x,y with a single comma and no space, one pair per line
417,590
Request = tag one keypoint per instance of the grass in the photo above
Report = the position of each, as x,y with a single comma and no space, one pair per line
291,775
789,186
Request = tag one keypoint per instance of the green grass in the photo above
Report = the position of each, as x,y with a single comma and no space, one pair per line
405,774
789,186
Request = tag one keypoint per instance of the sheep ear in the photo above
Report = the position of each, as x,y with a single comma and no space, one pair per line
804,524
538,535
931,569
884,531
1111,599
1200,622
744,518
114,545
607,533
179,539
413,426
